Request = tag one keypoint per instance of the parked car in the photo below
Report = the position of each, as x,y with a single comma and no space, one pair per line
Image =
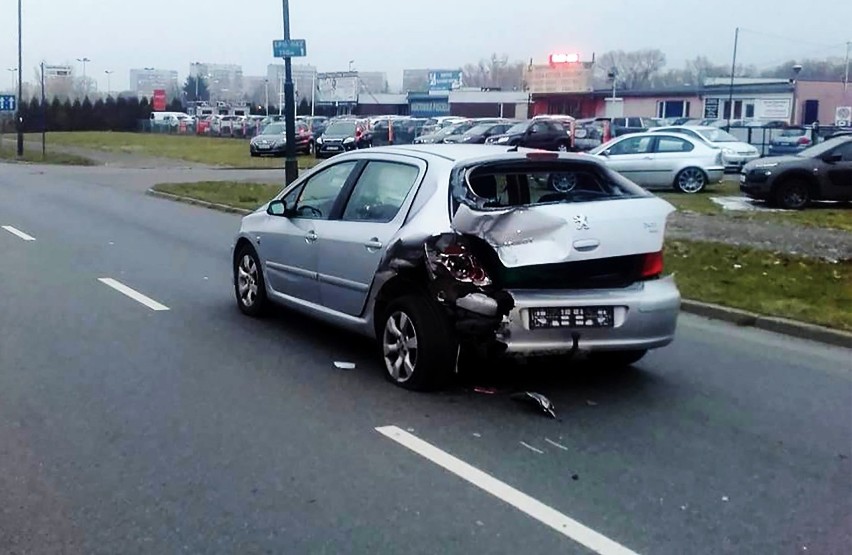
735,153
821,172
478,134
272,141
543,134
664,161
433,125
446,249
456,128
317,124
790,141
341,135
624,126
397,130
588,134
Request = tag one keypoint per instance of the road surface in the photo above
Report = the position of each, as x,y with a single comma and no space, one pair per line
140,412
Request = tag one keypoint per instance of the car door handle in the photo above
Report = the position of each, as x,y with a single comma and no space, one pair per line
311,236
585,245
648,158
373,244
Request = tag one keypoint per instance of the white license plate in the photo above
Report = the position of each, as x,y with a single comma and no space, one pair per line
263,147
742,178
332,148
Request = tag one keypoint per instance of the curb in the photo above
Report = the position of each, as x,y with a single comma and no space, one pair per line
735,316
196,202
783,326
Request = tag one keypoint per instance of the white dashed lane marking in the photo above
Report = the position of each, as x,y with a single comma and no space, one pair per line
18,233
133,294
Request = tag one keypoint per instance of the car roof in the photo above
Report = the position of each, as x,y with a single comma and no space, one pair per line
674,128
461,152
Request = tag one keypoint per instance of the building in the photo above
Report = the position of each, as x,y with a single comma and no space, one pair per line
415,80
373,82
59,81
304,79
143,82
224,81
254,90
465,103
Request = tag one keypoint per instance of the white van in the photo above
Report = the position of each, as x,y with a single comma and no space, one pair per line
169,119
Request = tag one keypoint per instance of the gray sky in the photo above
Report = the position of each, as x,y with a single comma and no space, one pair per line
390,35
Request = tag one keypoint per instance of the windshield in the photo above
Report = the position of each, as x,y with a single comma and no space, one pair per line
793,133
822,148
718,136
479,129
341,128
518,128
274,129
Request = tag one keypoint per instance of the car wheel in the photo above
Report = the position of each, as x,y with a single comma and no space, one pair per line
792,194
690,181
617,359
249,286
254,154
417,347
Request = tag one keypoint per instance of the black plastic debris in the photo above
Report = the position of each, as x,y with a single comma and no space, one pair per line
535,400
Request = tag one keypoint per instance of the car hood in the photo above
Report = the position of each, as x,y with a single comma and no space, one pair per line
335,137
563,232
774,160
268,138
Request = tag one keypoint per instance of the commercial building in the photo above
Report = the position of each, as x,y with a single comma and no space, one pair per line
224,81
373,82
415,80
143,82
304,78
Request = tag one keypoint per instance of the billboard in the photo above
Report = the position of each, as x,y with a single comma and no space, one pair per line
559,78
337,88
158,101
445,80
772,108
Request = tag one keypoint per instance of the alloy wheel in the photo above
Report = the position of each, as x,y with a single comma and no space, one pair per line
691,180
247,280
399,344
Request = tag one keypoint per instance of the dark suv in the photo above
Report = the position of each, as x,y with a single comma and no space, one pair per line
821,172
341,135
544,134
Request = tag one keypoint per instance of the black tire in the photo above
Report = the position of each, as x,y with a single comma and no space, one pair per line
251,276
618,359
434,347
690,181
254,154
792,194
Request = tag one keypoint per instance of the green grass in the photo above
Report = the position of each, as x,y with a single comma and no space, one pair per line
767,283
213,151
815,216
230,193
33,155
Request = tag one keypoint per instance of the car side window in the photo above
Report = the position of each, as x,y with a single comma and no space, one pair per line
672,144
380,192
632,145
319,193
845,151
539,127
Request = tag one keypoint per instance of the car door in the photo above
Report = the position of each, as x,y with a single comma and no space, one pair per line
631,156
351,247
538,135
288,247
839,174
670,155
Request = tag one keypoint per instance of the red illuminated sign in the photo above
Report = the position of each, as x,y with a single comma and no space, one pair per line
564,58
158,102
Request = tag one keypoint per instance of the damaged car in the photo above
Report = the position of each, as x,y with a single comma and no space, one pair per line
436,251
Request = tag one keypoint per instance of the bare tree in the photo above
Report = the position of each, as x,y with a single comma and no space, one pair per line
635,69
495,72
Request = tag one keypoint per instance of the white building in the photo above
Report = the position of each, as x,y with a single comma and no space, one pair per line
224,81
143,82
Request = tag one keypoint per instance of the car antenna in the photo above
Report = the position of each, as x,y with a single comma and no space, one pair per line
513,149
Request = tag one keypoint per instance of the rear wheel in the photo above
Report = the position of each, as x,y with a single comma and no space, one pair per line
417,346
690,181
792,194
618,359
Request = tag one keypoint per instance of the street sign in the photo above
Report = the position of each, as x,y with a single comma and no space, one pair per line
8,103
843,116
293,48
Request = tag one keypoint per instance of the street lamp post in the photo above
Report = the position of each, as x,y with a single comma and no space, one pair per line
109,73
19,120
291,165
14,72
84,61
266,84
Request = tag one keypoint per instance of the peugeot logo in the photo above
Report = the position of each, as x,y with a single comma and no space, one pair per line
581,221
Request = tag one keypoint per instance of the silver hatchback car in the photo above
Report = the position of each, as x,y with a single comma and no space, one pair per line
446,249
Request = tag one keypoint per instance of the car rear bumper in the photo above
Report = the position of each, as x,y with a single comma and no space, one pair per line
735,162
715,174
645,317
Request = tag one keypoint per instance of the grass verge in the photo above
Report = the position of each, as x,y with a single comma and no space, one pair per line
214,151
767,283
230,193
33,155
819,215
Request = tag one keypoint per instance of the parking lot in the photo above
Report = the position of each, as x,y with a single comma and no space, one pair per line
178,421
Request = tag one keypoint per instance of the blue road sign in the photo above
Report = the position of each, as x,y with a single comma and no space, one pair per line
8,103
293,48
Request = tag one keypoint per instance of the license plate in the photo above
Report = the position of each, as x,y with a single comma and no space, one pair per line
332,148
742,178
263,147
571,317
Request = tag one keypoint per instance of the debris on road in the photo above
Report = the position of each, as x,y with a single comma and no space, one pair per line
344,365
725,498
477,434
536,400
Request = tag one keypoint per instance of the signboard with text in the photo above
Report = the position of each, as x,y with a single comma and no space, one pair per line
445,80
293,48
711,108
843,116
428,106
8,103
772,108
560,78
337,88
158,100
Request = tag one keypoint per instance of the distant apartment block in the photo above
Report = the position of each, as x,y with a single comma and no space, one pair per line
224,81
143,82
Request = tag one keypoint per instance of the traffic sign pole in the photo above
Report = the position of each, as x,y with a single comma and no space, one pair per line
18,119
291,164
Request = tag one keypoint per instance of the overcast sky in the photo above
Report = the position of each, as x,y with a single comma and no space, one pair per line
390,35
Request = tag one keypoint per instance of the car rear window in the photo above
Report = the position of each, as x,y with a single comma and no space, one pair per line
531,183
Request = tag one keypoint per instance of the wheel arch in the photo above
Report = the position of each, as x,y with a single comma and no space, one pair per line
797,174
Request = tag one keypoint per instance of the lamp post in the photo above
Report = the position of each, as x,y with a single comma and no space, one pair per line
14,72
18,120
109,73
796,70
266,84
84,61
291,165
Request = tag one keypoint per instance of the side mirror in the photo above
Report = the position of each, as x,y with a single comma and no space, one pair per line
832,158
277,208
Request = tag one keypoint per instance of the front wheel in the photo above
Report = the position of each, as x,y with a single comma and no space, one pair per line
792,195
690,181
618,359
249,286
417,346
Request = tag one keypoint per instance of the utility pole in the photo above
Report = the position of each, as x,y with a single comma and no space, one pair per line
43,116
291,165
313,94
733,71
84,61
846,77
267,97
20,120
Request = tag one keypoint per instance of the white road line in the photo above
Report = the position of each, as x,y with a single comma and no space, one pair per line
521,501
531,448
17,232
133,294
557,445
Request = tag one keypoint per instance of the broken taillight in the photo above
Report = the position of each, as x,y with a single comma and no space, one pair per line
456,261
652,265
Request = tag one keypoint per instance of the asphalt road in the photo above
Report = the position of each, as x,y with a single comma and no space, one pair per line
194,429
